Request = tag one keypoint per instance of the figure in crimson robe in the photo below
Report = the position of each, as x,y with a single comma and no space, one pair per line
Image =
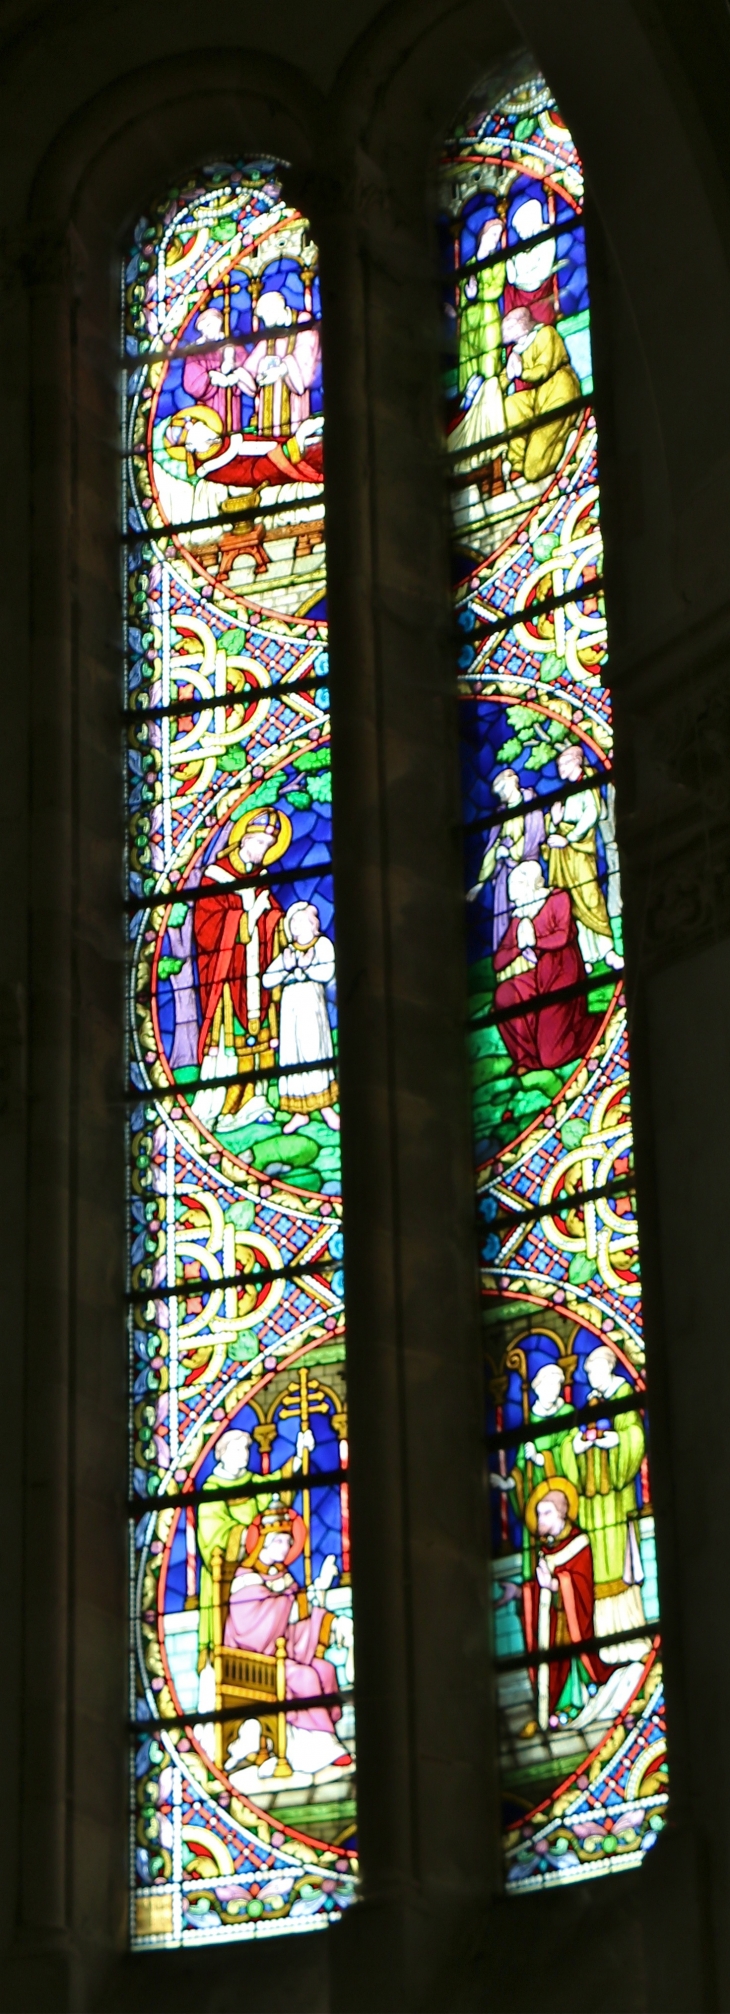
238,933
558,1602
232,470
196,436
539,956
531,274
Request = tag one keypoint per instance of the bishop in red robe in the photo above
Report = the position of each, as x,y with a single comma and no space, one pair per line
557,1605
237,935
540,956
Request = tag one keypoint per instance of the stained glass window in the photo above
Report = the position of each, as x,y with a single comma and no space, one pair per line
577,1648
243,1804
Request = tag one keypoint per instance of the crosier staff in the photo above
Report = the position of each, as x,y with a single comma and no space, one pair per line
516,1360
227,332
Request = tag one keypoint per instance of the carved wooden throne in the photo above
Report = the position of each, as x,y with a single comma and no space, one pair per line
243,1678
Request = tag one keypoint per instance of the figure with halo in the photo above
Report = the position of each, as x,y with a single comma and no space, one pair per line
558,1603
267,1604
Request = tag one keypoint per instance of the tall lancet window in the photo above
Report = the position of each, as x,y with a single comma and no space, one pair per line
579,1683
243,1807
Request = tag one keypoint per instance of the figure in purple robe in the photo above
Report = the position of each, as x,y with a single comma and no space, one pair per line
184,1053
516,837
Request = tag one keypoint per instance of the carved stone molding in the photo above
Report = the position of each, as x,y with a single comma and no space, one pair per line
672,713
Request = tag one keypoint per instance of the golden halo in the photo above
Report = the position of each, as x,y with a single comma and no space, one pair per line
177,450
278,846
567,1489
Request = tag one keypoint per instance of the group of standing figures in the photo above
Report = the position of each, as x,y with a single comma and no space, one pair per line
551,922
576,1489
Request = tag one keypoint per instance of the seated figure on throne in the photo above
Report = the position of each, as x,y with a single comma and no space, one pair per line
266,1604
223,1522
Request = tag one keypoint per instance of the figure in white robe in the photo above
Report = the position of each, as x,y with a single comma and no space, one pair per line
303,969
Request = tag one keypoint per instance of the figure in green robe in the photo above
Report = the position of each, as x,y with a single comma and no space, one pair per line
481,352
481,349
603,1463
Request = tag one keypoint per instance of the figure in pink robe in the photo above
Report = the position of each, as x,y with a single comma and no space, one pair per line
212,379
262,1595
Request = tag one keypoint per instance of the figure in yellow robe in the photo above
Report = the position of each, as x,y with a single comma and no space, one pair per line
603,1463
549,381
572,861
